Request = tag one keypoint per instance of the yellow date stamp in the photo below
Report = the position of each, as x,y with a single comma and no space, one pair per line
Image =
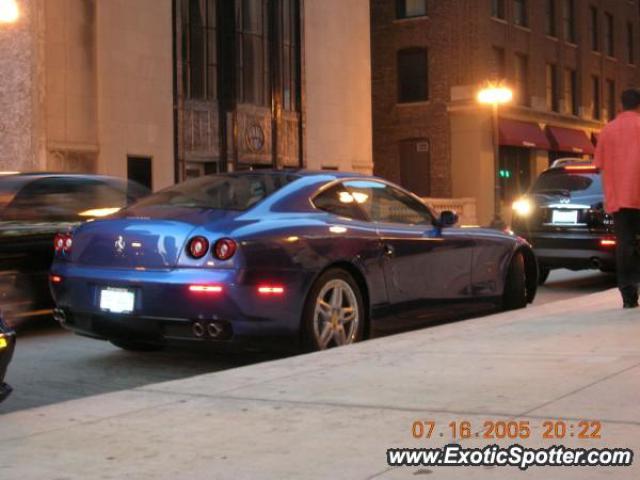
508,429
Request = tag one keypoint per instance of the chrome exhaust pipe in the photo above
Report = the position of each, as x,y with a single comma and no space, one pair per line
215,330
198,329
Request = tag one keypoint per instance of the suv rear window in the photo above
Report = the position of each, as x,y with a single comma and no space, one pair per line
239,191
568,183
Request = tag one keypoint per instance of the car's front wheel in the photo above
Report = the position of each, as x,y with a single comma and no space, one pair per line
334,312
135,346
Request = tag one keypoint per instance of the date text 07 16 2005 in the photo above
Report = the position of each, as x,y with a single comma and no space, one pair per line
509,429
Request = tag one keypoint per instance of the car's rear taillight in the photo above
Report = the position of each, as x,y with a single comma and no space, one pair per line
581,168
205,288
62,243
224,249
198,247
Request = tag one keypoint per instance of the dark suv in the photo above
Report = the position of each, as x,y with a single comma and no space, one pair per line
563,217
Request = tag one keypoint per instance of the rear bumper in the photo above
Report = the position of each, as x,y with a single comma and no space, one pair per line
167,312
573,251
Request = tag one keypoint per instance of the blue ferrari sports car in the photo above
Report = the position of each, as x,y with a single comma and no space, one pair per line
324,258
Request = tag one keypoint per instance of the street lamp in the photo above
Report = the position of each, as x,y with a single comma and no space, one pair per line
9,11
496,94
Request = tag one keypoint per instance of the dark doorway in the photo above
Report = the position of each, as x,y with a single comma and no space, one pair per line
415,166
515,172
139,170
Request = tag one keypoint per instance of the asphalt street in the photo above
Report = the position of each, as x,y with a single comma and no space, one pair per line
52,365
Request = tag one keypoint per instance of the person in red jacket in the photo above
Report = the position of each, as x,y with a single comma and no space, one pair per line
618,158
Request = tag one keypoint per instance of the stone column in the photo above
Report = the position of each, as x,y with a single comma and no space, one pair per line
22,145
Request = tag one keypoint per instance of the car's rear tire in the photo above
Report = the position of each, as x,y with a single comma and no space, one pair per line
515,289
334,312
543,275
135,346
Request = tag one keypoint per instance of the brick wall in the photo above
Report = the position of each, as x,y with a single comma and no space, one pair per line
460,36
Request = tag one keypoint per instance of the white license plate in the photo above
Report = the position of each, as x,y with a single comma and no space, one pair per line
117,300
564,217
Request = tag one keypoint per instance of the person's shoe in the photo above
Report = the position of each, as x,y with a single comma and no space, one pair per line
630,304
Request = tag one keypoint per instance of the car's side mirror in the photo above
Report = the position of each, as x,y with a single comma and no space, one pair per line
448,218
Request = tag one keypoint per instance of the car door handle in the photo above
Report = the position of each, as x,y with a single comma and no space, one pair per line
388,250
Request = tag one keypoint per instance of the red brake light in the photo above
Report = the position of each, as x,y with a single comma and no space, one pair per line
224,249
581,168
55,279
270,290
198,247
205,288
607,242
62,242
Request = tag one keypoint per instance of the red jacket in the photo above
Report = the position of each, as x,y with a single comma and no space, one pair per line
618,158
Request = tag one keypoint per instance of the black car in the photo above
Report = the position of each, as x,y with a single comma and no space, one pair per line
33,208
7,344
563,217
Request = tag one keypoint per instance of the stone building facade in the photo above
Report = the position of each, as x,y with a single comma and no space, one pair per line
566,60
164,90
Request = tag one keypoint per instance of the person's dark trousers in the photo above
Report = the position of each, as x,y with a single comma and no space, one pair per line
627,227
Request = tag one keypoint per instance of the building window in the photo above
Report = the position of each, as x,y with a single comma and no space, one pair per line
289,54
552,87
595,30
609,47
199,49
413,77
498,9
611,99
139,170
630,43
571,92
252,74
522,79
595,95
499,68
551,18
569,21
411,8
520,13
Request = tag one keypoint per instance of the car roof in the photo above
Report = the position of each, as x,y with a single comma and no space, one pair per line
300,172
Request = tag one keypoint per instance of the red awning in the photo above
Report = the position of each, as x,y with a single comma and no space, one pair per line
522,134
569,140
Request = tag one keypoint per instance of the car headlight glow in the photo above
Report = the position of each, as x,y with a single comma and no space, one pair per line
522,207
3,341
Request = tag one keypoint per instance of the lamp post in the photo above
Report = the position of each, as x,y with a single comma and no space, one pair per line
9,11
495,95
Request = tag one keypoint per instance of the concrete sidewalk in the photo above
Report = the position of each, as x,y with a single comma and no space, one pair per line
332,415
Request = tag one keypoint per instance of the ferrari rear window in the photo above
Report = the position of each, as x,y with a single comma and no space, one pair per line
239,191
